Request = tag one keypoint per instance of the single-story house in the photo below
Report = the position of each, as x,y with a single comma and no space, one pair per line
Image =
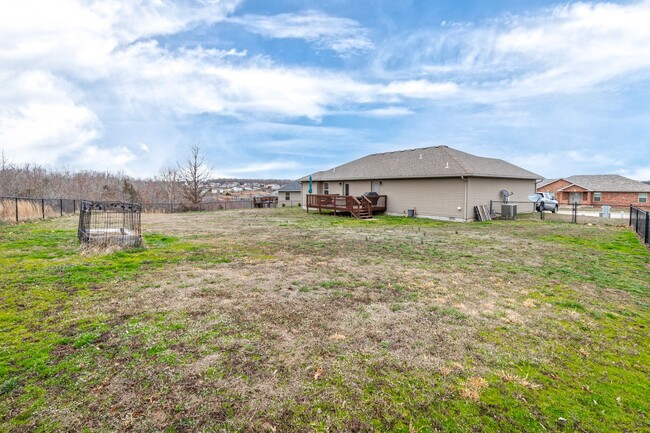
290,194
433,182
597,190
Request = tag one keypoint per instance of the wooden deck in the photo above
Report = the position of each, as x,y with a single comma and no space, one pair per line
361,207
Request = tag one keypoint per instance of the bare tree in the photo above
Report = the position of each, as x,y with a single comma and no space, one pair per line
169,179
194,175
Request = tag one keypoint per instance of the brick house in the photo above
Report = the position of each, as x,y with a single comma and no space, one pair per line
597,190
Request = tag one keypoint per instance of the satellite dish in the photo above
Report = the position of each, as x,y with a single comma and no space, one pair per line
534,197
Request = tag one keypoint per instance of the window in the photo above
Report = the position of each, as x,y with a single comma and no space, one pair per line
287,196
598,196
326,188
643,197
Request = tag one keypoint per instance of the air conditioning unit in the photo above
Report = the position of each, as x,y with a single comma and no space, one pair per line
509,210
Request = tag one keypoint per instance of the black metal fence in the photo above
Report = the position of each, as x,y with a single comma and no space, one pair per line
640,222
574,212
207,206
16,209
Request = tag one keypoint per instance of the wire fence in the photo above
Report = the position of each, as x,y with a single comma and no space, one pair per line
251,203
17,209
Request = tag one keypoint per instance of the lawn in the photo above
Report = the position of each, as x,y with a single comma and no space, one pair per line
276,320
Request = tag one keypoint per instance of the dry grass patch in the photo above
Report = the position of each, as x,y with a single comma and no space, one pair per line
278,320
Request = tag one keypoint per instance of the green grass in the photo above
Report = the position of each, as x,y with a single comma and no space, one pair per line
276,319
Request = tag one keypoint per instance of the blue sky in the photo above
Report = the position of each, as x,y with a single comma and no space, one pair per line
284,88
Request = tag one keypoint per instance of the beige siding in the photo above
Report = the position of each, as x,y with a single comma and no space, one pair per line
482,190
294,198
432,198
443,198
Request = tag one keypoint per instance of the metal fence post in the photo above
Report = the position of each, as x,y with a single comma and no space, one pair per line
61,206
491,207
16,209
647,228
43,207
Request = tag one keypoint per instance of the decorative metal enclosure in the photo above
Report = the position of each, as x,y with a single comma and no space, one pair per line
110,223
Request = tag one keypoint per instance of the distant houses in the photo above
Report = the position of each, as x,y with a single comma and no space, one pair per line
597,190
434,182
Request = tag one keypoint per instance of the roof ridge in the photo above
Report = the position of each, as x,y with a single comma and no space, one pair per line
446,150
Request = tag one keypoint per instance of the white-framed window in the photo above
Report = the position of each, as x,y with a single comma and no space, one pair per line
287,196
326,188
643,197
598,196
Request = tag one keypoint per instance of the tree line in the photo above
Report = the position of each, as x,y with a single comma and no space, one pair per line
187,181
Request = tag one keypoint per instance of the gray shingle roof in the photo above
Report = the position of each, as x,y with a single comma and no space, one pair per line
608,183
293,186
436,161
545,182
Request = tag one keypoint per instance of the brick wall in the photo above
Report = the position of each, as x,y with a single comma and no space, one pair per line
622,198
609,198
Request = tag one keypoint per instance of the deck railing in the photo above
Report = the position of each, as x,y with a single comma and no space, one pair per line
347,203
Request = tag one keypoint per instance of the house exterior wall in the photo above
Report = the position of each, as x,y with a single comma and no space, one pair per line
622,199
586,197
431,198
294,198
554,186
439,198
484,189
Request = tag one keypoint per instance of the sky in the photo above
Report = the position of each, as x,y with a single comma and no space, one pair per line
284,88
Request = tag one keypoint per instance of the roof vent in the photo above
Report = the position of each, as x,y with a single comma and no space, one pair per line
447,165
420,156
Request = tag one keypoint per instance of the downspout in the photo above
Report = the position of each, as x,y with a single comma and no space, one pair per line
466,199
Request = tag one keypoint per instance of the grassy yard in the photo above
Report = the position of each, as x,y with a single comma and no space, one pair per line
275,320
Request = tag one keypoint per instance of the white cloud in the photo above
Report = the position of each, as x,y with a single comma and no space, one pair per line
262,167
419,89
39,117
595,159
639,173
100,159
51,51
78,38
389,112
143,147
343,35
570,48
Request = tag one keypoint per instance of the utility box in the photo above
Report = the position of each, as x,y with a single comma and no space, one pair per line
605,211
509,210
410,213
